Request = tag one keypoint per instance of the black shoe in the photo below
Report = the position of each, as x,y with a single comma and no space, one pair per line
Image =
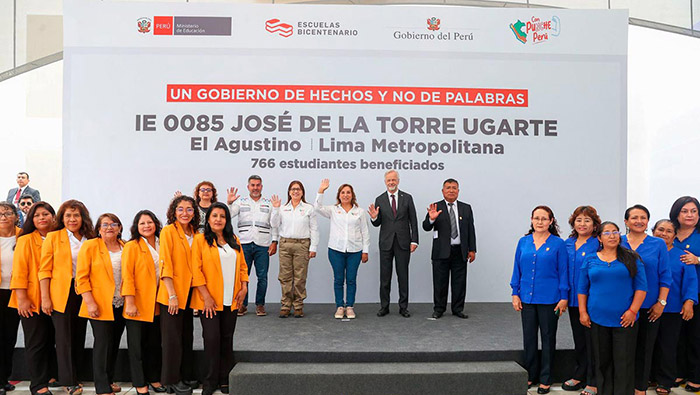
141,393
208,391
224,388
8,387
181,388
541,390
382,312
461,315
54,384
404,313
691,388
48,392
159,390
194,384
437,314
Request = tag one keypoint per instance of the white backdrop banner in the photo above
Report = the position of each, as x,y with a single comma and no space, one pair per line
521,106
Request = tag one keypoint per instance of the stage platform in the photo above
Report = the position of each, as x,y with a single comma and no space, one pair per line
491,333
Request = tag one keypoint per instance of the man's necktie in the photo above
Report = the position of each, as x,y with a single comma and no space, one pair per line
393,204
453,221
19,192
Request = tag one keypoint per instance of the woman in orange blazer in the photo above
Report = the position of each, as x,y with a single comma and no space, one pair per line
9,320
174,292
26,298
220,275
139,285
98,279
59,259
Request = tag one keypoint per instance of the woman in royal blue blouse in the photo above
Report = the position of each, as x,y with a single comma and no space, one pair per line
540,292
679,306
611,290
582,242
684,215
654,255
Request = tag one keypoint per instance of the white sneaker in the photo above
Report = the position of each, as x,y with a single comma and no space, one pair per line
350,312
340,313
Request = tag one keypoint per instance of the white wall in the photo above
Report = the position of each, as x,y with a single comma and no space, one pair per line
664,125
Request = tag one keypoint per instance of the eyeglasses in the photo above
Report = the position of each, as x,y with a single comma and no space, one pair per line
25,203
540,219
608,234
188,210
113,225
205,190
7,214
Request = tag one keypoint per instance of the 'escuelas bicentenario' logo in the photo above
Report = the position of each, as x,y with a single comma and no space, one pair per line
536,29
144,25
279,27
452,34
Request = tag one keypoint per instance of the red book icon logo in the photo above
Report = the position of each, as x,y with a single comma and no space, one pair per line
277,26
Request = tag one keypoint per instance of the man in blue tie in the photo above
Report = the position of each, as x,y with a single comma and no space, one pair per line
454,245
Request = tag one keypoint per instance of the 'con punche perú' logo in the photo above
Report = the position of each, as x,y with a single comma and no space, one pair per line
433,24
538,30
144,25
279,27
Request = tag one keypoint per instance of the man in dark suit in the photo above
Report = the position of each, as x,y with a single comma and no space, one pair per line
393,211
454,245
14,194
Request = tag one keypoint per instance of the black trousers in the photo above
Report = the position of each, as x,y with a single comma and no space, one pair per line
583,349
218,346
104,350
666,349
386,262
70,338
613,350
176,339
646,339
9,322
442,269
689,348
39,350
539,317
145,359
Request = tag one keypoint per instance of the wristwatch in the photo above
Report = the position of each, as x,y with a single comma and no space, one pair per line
662,302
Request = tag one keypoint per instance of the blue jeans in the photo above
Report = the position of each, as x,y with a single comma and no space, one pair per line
345,265
258,256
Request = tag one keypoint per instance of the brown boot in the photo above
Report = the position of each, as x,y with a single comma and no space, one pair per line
260,311
298,313
284,313
242,311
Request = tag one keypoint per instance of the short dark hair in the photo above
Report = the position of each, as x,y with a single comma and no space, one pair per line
450,181
254,177
25,173
26,196
636,207
676,210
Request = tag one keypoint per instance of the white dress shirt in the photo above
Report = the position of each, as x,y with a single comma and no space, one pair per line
7,250
349,231
75,245
297,223
154,255
254,221
228,258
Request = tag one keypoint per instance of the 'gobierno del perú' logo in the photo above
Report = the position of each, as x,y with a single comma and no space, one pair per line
144,25
538,30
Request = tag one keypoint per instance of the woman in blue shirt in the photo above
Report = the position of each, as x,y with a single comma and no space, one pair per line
679,306
611,290
540,291
582,242
654,255
684,215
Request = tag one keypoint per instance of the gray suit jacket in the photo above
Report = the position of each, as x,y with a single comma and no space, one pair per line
404,225
27,191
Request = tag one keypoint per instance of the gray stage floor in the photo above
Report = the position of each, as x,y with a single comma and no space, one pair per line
490,327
